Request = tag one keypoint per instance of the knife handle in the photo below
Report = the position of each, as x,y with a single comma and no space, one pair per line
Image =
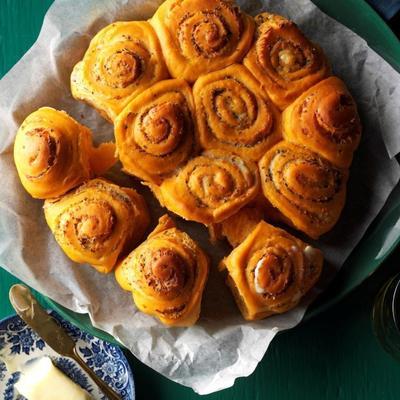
107,390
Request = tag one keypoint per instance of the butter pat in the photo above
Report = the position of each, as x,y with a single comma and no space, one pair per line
41,380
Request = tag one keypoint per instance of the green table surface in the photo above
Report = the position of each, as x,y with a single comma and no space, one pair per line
333,356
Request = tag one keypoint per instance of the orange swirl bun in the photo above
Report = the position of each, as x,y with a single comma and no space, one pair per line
155,132
233,114
122,60
199,36
308,190
210,187
53,153
325,119
284,61
166,275
270,271
93,223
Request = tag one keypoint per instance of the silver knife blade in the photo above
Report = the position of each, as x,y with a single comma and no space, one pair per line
40,321
28,308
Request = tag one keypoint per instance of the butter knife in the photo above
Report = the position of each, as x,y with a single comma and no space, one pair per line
28,308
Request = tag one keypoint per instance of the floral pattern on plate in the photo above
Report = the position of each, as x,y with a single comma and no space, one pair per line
18,343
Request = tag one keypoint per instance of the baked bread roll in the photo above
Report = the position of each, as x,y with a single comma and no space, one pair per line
155,132
270,271
325,119
122,60
200,36
210,187
53,153
237,227
284,61
166,275
234,114
94,223
308,190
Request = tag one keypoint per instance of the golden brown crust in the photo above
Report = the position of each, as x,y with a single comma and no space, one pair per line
155,133
270,213
103,158
325,120
122,60
166,275
210,187
304,187
270,271
200,36
283,60
237,227
94,223
53,153
233,114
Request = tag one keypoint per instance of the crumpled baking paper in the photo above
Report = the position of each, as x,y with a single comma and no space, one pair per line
222,346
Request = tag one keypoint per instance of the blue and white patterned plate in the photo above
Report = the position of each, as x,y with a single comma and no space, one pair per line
18,344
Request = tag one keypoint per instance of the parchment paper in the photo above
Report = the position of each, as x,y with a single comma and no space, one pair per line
222,346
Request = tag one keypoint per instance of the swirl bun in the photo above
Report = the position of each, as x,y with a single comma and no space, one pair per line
155,132
270,271
53,153
96,221
210,187
325,119
122,60
283,60
308,190
166,275
233,114
200,36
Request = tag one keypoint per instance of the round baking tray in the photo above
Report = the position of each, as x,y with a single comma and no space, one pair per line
383,235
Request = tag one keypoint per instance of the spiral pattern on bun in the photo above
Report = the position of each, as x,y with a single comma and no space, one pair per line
122,60
325,119
283,60
166,275
53,153
308,190
210,187
233,114
95,222
155,132
270,271
200,36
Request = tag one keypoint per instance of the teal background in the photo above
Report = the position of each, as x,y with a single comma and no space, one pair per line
332,356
